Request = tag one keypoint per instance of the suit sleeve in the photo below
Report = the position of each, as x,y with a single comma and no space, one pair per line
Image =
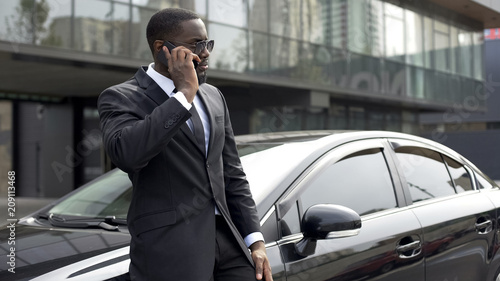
238,196
132,136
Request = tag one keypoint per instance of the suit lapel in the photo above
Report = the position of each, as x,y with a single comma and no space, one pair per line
151,89
156,93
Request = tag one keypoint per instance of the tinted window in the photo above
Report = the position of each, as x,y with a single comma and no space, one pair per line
360,181
483,182
459,175
290,223
425,173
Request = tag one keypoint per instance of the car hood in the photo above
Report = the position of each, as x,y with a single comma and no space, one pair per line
60,253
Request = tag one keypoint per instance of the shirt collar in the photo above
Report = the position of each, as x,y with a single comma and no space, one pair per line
165,83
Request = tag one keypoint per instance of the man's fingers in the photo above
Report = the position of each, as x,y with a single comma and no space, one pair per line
267,272
258,268
195,57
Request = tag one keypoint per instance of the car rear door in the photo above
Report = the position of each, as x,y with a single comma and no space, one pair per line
388,246
457,220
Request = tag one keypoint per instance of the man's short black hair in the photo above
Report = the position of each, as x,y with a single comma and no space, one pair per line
167,23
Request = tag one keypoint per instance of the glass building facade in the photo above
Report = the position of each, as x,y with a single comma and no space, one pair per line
282,64
365,45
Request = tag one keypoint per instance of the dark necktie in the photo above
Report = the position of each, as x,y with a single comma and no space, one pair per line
198,130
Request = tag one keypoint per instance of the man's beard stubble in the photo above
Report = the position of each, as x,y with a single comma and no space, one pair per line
202,78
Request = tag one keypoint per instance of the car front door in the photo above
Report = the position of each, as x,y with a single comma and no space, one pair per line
388,244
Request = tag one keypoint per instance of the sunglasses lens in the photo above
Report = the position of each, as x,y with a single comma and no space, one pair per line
200,46
210,45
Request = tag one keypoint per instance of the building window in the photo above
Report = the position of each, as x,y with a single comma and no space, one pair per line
442,46
394,33
414,38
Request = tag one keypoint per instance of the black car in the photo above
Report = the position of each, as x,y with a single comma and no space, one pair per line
334,206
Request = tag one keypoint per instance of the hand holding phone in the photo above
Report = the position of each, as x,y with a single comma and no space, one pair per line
162,57
182,74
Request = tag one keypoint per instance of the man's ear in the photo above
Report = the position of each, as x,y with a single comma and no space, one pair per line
157,46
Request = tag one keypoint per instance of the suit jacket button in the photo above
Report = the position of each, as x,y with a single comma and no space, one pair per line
208,165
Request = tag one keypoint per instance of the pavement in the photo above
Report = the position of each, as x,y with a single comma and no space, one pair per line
23,207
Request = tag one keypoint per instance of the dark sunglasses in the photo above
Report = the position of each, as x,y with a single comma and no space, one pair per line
199,46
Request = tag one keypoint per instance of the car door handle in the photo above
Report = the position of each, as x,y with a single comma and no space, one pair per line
409,250
484,226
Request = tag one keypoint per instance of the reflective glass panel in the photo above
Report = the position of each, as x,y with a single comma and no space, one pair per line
286,19
101,27
393,81
258,13
16,24
259,52
465,52
231,50
313,23
55,30
362,73
428,42
363,25
139,44
285,57
198,6
394,33
315,63
414,38
36,22
442,46
454,49
228,11
415,82
316,12
477,40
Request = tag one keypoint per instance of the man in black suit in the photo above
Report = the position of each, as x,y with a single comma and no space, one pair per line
192,216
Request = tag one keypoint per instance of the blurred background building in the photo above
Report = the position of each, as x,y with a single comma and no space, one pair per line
408,66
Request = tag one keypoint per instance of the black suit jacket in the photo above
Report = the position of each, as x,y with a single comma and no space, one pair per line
175,186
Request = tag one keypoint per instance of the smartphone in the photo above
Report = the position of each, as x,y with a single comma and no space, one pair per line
163,58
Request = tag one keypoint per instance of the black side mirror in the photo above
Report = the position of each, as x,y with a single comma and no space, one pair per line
326,221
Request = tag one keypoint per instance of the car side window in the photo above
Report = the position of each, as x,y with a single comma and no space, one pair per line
460,176
360,181
290,223
483,181
425,173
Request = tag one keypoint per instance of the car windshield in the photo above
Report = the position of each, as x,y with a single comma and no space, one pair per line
108,195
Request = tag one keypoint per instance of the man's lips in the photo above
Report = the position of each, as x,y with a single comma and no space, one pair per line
203,65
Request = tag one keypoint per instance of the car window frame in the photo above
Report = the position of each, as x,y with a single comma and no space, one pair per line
332,156
396,143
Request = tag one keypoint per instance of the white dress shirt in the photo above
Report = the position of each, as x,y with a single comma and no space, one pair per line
167,85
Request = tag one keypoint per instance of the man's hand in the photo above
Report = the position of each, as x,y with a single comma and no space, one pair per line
182,72
262,266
